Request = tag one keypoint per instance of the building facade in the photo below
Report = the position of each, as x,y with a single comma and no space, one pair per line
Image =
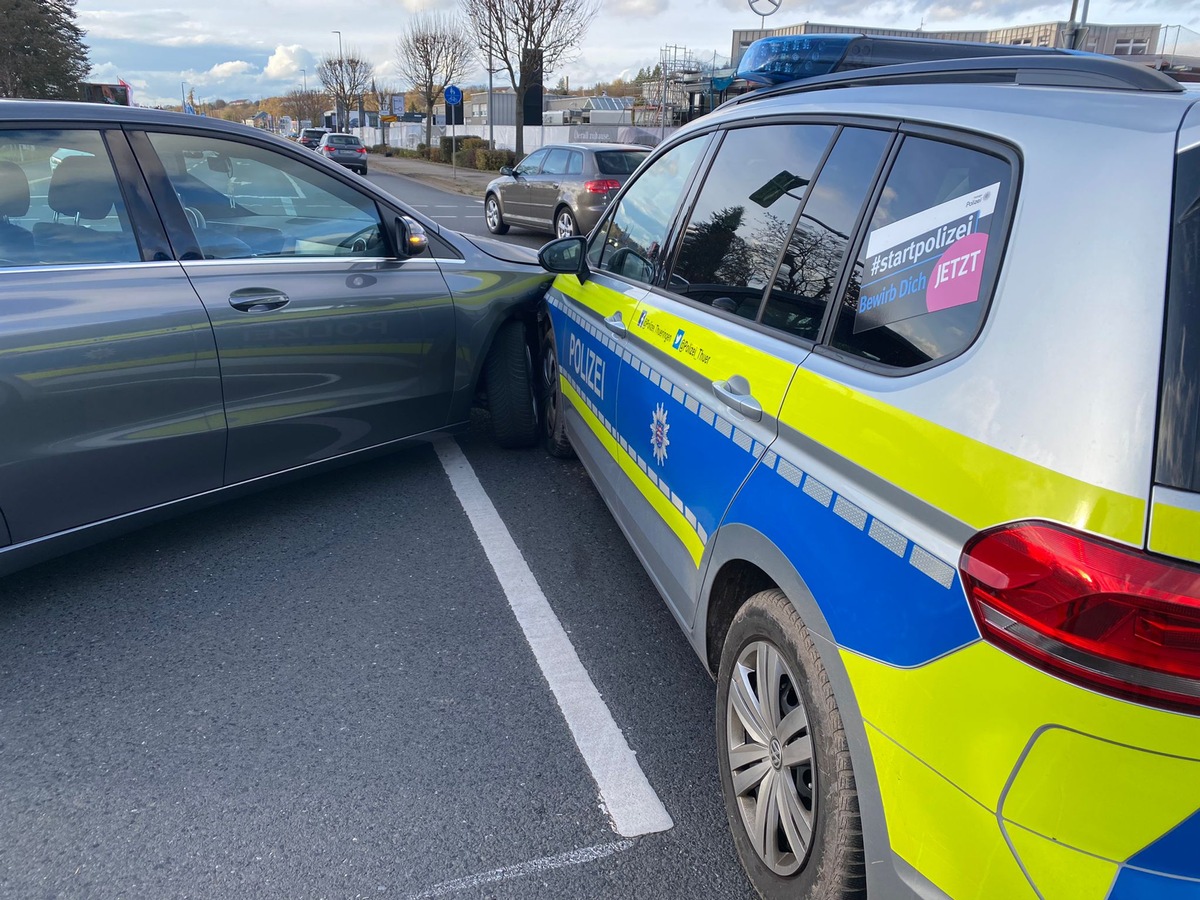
1113,40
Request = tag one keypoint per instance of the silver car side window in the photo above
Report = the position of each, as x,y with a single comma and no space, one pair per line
633,241
923,278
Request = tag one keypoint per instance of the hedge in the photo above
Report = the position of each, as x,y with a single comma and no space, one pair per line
492,160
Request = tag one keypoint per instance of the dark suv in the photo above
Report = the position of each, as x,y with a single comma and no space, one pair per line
311,137
190,305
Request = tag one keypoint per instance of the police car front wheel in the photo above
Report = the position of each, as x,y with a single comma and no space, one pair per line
785,764
554,426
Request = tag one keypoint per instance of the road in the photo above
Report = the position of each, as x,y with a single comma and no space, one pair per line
322,690
462,213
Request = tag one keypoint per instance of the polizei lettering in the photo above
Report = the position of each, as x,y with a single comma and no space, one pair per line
587,365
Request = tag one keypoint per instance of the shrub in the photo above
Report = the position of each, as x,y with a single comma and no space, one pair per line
464,142
492,160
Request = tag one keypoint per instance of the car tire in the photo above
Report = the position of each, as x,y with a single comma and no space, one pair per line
508,372
554,425
363,171
493,216
565,224
802,762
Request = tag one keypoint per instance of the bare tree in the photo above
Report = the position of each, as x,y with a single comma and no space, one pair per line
434,52
305,105
345,78
520,34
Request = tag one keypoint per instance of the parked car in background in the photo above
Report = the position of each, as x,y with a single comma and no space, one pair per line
311,137
345,149
192,307
905,425
560,188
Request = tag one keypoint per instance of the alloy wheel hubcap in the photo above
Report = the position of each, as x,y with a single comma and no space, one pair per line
771,763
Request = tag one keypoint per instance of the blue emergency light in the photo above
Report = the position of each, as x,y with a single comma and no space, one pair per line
774,60
780,59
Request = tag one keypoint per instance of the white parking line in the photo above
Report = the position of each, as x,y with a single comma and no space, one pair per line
625,794
533,867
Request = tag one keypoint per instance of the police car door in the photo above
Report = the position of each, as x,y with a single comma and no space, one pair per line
708,368
592,320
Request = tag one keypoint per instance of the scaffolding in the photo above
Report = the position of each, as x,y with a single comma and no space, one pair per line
671,98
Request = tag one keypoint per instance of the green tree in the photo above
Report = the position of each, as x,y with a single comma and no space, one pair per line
42,53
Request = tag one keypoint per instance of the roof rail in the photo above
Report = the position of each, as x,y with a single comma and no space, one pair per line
815,62
1060,71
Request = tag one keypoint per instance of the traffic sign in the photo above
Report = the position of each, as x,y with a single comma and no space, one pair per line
453,95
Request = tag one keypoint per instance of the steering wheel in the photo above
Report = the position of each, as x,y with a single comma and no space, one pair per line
195,218
361,240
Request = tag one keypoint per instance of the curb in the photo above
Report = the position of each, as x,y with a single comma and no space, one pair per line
469,183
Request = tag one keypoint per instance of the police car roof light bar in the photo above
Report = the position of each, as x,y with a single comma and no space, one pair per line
811,62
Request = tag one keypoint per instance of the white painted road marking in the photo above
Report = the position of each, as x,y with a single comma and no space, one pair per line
533,867
625,793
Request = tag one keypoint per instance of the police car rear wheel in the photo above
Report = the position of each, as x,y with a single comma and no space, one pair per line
786,774
508,371
554,426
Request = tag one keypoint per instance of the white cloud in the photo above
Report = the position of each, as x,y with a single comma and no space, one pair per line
638,8
230,69
286,62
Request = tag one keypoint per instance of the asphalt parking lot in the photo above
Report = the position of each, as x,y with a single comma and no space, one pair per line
323,691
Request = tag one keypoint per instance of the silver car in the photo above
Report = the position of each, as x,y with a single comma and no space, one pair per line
345,149
191,307
901,412
560,188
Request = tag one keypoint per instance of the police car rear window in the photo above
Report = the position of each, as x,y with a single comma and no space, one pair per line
1179,410
922,281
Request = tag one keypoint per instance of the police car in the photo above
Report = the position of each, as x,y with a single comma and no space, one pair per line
891,376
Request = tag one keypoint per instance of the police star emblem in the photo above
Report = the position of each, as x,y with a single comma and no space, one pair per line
658,434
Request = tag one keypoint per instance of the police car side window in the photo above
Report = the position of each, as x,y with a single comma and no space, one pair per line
816,252
631,245
921,283
744,212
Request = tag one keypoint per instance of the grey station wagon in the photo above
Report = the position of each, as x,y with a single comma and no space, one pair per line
192,306
563,189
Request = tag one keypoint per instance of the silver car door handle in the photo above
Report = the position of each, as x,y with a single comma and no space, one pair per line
258,299
616,324
735,393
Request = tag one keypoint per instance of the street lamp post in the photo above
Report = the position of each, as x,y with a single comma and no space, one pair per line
491,118
337,104
304,76
183,96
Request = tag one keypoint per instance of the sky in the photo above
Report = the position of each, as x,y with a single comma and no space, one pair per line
232,49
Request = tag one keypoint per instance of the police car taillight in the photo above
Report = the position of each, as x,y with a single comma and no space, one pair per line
1117,620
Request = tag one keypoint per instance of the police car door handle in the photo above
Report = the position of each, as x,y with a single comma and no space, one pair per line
616,324
735,393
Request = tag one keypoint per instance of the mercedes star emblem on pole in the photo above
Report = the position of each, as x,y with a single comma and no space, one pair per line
764,7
